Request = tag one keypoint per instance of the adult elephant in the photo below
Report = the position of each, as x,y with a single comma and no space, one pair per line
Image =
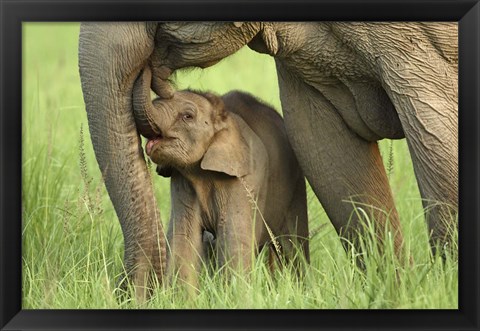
343,87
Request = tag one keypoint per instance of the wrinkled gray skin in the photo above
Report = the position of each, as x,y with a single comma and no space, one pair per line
343,86
232,169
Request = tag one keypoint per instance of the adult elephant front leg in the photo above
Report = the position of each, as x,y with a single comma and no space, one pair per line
340,166
110,57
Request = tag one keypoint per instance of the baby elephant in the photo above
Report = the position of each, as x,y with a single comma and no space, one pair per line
233,173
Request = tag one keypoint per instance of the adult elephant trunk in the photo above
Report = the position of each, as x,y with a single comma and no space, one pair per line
110,58
149,120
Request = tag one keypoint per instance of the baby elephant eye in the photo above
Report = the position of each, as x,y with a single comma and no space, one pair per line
187,117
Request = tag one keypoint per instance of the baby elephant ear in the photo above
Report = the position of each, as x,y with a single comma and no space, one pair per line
164,171
228,153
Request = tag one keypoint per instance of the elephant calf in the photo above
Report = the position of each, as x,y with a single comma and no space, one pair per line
233,172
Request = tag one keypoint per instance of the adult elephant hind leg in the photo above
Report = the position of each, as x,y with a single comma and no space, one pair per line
433,143
338,164
295,245
429,116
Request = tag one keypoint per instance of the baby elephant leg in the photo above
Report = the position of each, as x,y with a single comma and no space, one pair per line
208,243
185,244
234,244
186,249
234,249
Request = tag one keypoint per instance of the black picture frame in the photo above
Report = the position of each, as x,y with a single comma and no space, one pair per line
13,13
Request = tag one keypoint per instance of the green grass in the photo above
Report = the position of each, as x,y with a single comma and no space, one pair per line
72,242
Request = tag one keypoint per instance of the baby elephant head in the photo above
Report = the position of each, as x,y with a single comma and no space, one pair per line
188,130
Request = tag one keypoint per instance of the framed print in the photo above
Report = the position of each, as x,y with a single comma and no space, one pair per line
267,165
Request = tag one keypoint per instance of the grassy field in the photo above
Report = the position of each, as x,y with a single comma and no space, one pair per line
72,242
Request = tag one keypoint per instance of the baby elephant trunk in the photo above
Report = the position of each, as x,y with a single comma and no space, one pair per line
149,120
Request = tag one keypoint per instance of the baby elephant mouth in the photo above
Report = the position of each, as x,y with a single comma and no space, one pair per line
154,143
151,143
